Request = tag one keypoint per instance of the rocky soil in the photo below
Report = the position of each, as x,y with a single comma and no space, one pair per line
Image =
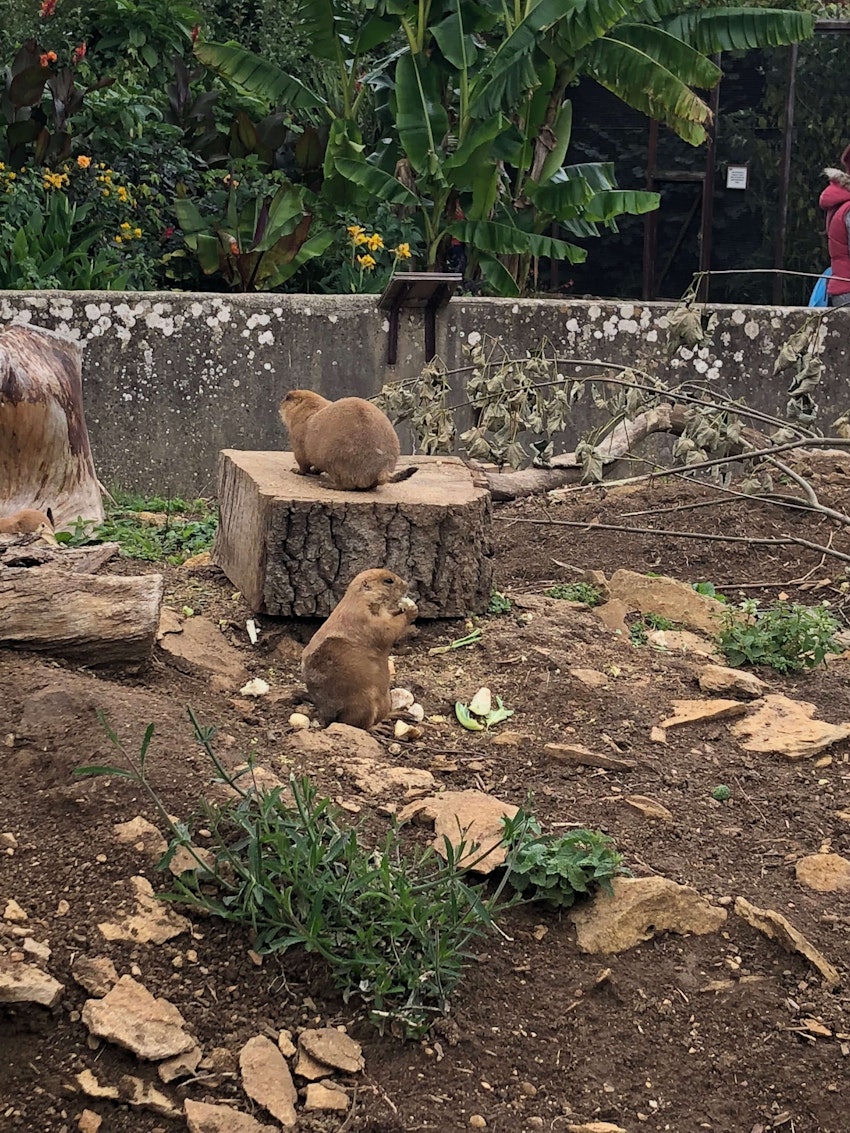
707,994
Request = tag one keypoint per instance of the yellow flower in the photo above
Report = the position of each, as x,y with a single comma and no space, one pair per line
104,193
402,251
354,230
123,194
125,227
83,161
119,239
137,232
55,180
366,262
375,241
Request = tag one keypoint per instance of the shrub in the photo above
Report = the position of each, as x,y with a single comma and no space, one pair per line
557,870
786,636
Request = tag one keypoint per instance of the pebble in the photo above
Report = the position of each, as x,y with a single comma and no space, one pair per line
14,913
528,1089
299,720
477,1121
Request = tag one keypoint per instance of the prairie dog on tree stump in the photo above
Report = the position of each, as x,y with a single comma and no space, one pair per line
346,663
350,440
27,522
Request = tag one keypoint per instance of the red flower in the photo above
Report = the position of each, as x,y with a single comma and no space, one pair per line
168,232
79,53
196,31
47,9
47,58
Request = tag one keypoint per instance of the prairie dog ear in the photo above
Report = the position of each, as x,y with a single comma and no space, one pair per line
49,514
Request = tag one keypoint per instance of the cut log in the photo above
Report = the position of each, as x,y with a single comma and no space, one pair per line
45,456
33,550
292,545
98,621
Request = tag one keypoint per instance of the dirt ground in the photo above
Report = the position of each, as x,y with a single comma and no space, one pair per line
536,1041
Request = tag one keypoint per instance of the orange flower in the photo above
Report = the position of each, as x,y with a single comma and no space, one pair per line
84,161
47,58
47,9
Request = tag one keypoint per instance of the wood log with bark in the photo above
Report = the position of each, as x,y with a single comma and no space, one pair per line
45,456
52,601
292,545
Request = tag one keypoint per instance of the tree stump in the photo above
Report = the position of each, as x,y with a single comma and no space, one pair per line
292,546
45,456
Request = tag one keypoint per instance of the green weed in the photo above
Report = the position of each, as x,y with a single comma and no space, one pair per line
188,527
640,630
786,636
575,592
499,604
557,870
708,589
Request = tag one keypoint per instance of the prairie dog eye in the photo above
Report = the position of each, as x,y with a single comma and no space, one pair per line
389,580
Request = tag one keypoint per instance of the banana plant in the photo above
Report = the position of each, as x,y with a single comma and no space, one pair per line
260,240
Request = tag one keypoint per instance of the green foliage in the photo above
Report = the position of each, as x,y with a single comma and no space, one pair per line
709,590
556,870
640,630
721,793
498,604
186,528
575,592
787,636
394,928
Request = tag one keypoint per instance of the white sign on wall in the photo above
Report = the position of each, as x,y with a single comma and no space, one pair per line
737,176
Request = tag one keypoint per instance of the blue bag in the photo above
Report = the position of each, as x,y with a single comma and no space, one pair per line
819,297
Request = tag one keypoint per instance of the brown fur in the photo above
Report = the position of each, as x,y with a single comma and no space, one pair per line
350,440
346,663
26,522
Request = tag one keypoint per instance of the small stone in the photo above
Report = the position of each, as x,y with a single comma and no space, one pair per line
476,1121
510,739
36,950
401,698
131,1017
8,841
299,720
827,873
327,1096
89,1084
695,711
256,687
777,927
535,1122
309,1068
613,615
267,1080
62,909
285,1044
151,922
333,1048
648,807
591,678
528,1089
14,913
24,983
144,1095
89,1121
96,974
181,1066
139,830
737,682
417,712
595,1127
201,1117
469,817
658,736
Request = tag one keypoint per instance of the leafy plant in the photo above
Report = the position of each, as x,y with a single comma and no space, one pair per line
721,793
173,539
394,929
498,604
558,869
575,592
709,590
787,636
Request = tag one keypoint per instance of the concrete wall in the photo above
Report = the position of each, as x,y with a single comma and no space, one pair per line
170,379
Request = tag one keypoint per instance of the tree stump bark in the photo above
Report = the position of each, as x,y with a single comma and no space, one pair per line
45,456
292,546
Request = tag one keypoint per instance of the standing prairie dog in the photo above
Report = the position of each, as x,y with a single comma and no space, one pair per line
27,522
350,440
346,665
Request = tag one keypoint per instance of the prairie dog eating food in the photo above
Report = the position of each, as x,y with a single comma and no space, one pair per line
350,440
346,663
29,521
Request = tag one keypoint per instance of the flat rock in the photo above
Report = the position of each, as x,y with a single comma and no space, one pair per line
267,1080
325,1095
694,711
14,913
181,1066
674,600
640,908
89,1121
96,974
201,1117
595,1127
827,873
131,1017
577,753
151,922
333,1048
375,778
683,641
648,807
309,1068
613,615
138,831
337,740
200,646
510,739
144,1095
170,621
784,726
777,927
89,1084
24,983
469,817
737,682
591,678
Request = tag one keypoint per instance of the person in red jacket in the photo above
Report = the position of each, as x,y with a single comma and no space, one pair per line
835,201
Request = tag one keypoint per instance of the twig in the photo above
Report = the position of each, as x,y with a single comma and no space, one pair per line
754,541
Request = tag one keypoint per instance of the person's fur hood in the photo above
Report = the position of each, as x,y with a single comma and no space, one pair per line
839,177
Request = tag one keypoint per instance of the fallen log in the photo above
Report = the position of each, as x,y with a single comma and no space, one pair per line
100,621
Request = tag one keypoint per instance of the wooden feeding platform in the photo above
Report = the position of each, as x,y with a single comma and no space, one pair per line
292,545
